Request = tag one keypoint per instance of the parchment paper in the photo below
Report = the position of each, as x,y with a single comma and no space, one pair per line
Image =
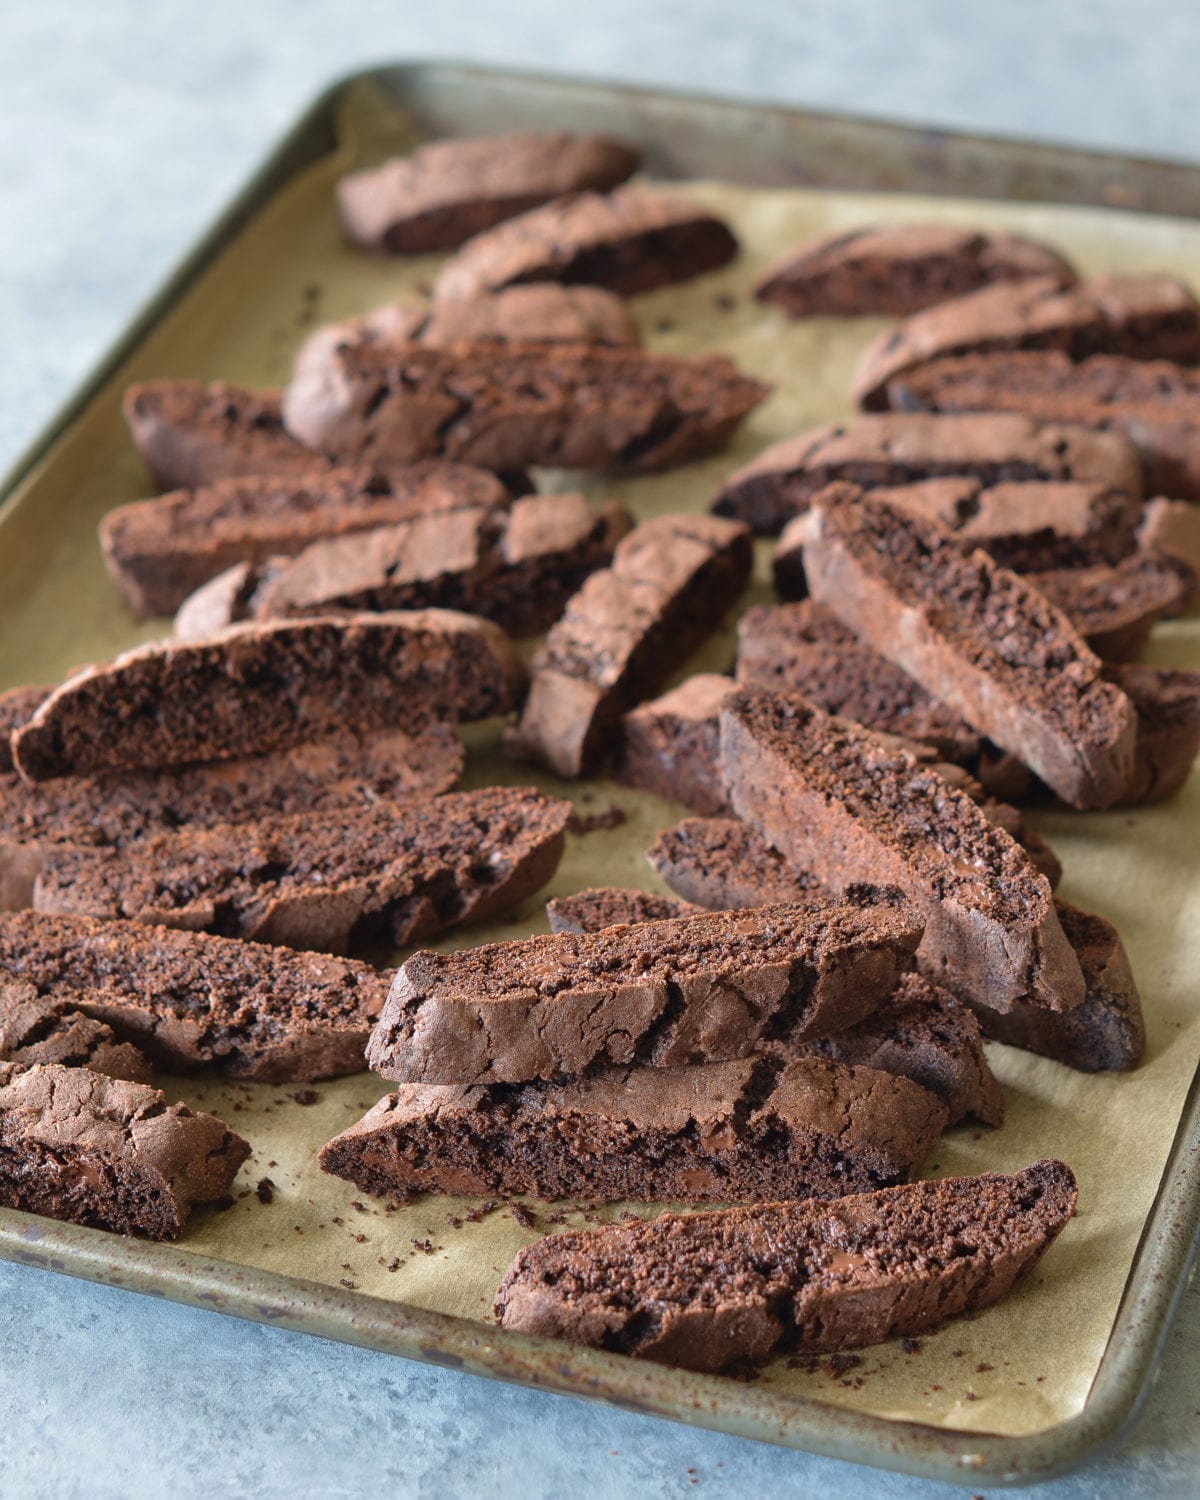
1021,1366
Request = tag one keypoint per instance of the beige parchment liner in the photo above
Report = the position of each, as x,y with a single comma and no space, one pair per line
1019,1367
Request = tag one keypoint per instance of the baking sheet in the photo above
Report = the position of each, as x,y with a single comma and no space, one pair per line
1018,1368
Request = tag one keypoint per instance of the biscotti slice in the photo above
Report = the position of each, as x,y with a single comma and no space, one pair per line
723,864
891,270
117,808
1141,317
1171,529
631,240
841,804
734,1132
1168,739
623,634
17,706
685,990
1107,1032
921,1032
507,405
196,1003
265,687
37,1028
518,568
610,906
670,745
901,448
707,1291
160,551
1114,608
406,870
445,191
976,636
80,1146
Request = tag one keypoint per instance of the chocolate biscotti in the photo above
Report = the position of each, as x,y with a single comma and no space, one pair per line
1167,704
90,1149
706,1291
723,1132
686,990
626,630
891,270
192,1002
611,906
117,808
976,636
406,870
507,405
840,803
159,551
1141,317
516,567
670,745
902,448
631,240
1154,403
445,191
36,1028
266,687
723,864
1114,608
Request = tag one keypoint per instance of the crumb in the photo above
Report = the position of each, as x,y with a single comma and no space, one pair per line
837,1364
454,1221
306,1096
223,1205
358,1207
523,1216
394,1263
911,1346
351,1286
346,1266
426,1247
360,1239
337,1219
611,817
958,1353
474,1215
970,1395
272,1164
265,1191
983,1369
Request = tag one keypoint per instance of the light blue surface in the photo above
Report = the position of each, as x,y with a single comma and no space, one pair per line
124,126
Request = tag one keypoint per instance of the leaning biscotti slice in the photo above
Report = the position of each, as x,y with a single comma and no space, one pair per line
117,808
632,240
197,1003
979,638
670,582
36,1028
903,448
1141,317
846,806
508,405
891,270
726,1132
159,551
706,1291
446,191
1168,736
265,687
921,1032
406,870
1114,608
686,990
90,1149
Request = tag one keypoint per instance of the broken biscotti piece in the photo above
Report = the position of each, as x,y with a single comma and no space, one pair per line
686,990
921,1032
842,804
901,448
707,1291
976,636
723,1132
1141,317
891,270
197,1003
632,240
80,1146
445,191
626,630
265,687
117,808
518,567
670,745
407,870
505,406
160,551
37,1028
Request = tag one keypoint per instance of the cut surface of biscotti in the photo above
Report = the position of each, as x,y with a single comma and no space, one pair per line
37,1028
706,1291
670,746
95,1150
731,1132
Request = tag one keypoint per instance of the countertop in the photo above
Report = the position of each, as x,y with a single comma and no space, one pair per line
123,129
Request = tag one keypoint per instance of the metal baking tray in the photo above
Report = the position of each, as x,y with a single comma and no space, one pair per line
752,144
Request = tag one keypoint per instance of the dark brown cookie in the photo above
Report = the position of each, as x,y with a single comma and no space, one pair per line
670,745
706,1291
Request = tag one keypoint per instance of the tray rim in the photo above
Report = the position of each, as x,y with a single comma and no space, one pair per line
1168,1246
